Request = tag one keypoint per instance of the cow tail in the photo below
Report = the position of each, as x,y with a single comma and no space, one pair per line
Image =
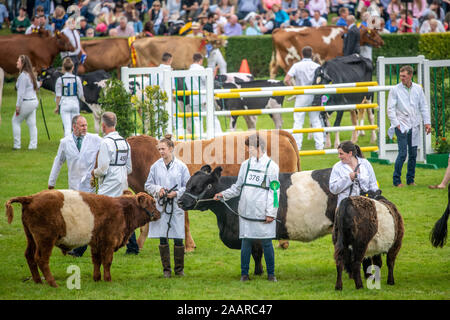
438,235
9,208
342,253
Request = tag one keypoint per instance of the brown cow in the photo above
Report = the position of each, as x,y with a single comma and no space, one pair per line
107,54
69,219
281,147
325,41
41,50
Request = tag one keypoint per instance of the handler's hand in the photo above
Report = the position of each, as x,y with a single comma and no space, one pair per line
51,187
218,196
162,192
269,219
171,195
428,128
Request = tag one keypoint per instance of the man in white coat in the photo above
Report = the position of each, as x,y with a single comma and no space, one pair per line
198,99
79,150
166,174
114,166
256,202
406,103
303,73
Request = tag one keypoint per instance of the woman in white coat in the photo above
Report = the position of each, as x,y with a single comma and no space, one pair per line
352,175
256,202
26,103
166,182
68,89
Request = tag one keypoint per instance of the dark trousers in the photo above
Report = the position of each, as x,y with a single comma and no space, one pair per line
246,252
404,142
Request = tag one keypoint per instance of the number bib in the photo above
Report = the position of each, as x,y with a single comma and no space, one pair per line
121,152
69,88
256,178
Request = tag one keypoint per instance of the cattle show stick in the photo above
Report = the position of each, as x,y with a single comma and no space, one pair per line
332,151
317,86
43,116
283,110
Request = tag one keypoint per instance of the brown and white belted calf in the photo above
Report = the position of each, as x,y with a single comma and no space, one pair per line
366,228
69,219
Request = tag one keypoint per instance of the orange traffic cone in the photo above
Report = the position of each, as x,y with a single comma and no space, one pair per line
244,67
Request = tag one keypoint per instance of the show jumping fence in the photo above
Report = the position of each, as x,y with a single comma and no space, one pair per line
197,86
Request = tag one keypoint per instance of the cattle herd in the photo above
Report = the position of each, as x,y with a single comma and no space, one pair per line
362,228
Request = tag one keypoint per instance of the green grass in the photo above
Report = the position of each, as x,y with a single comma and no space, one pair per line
304,271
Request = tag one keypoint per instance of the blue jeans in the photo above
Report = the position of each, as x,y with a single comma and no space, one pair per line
405,148
246,252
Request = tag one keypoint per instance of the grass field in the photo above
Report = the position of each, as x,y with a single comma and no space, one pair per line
304,271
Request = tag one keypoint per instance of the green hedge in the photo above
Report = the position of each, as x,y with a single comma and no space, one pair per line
258,49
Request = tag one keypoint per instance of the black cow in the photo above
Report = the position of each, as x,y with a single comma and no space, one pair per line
306,206
347,69
253,103
439,232
92,82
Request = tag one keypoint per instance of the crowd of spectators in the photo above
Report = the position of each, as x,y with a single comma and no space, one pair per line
228,17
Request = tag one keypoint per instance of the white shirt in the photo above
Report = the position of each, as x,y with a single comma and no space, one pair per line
403,108
255,202
74,38
25,89
161,177
69,90
303,73
113,180
340,181
79,163
195,98
318,23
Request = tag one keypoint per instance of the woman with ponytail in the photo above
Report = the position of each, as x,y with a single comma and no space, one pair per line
26,104
353,174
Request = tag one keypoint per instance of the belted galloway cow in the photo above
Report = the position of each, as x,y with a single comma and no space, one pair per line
69,219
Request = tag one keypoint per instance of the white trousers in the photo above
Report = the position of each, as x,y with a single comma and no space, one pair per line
314,120
68,111
27,113
216,58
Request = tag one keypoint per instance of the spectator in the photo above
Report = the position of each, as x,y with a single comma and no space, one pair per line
281,17
391,24
43,24
133,16
226,8
431,25
268,25
343,14
90,33
333,6
383,27
34,27
351,38
349,4
417,7
88,9
3,14
209,25
203,10
190,8
405,24
124,30
83,27
148,29
233,27
301,19
59,18
268,4
447,21
253,29
395,7
301,5
362,7
45,4
247,6
435,7
173,8
289,6
319,5
318,20
21,22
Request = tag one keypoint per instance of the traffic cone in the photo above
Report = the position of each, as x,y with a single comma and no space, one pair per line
244,67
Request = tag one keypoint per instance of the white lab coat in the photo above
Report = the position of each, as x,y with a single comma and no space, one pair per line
340,181
403,108
112,179
159,177
255,202
79,163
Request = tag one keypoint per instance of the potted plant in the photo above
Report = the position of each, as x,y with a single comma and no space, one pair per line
442,148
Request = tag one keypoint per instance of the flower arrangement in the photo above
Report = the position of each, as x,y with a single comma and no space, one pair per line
442,145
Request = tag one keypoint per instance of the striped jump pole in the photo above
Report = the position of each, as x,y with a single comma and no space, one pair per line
286,110
332,151
333,129
278,93
281,88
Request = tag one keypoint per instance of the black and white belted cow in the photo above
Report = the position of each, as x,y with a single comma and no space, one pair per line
92,82
346,69
306,206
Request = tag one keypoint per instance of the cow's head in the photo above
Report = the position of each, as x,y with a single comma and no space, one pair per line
48,77
148,204
200,188
370,37
320,77
215,40
63,43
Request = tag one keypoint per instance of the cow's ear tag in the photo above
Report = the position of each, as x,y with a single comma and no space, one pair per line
84,82
275,185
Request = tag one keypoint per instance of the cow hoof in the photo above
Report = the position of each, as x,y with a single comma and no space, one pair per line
53,284
338,288
283,244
